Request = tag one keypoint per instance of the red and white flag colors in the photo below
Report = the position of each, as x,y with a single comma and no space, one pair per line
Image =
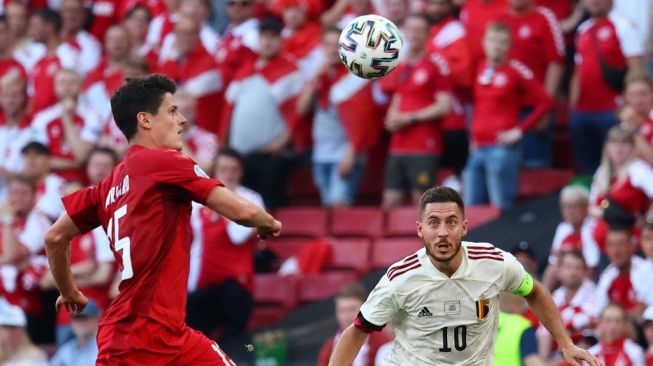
475,252
408,264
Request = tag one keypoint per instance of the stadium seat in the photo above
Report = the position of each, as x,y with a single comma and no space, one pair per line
401,221
357,221
389,250
480,215
540,182
350,254
306,222
285,248
300,189
322,285
274,297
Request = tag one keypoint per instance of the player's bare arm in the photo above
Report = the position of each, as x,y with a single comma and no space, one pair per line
348,346
57,248
540,302
226,203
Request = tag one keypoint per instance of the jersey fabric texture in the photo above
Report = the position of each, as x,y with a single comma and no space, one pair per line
144,205
440,320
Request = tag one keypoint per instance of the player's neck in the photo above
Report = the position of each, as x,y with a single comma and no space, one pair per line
143,141
448,268
496,62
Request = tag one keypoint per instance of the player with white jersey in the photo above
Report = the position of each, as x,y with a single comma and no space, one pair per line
443,301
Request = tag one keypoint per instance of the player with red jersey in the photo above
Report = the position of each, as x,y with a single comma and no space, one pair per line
144,206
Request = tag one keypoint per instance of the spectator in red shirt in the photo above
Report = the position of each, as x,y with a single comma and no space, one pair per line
449,38
137,21
501,84
25,49
626,280
615,348
194,69
476,15
345,125
7,62
537,42
36,159
344,11
622,181
108,76
575,232
222,261
68,128
199,11
268,135
301,37
421,98
45,27
637,115
14,124
347,305
201,145
89,49
163,23
606,47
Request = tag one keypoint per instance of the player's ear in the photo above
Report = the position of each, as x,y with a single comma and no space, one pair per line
419,228
464,227
143,120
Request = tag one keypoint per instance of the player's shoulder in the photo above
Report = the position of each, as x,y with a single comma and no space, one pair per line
403,269
484,257
521,69
586,25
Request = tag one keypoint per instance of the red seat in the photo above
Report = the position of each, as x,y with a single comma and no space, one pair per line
387,251
322,285
401,221
274,297
350,254
358,221
540,182
285,248
305,222
479,215
300,189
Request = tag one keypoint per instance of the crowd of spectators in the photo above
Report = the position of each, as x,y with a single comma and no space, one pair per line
263,92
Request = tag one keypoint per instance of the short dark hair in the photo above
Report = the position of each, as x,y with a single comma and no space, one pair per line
136,8
51,17
352,290
107,151
3,19
523,247
139,95
440,194
36,147
271,24
232,153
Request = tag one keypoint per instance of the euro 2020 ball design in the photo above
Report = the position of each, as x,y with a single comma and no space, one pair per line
370,45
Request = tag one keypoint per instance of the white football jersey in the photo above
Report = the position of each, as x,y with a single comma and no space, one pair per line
440,320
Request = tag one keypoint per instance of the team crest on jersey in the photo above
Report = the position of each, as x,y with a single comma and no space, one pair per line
482,308
420,77
604,33
500,80
524,32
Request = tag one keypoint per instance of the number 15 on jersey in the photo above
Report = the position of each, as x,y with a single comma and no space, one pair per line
121,244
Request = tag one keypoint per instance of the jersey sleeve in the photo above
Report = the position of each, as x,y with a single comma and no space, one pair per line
82,207
515,278
379,309
442,75
175,168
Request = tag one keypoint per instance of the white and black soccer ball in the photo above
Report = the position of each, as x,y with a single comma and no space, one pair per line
370,45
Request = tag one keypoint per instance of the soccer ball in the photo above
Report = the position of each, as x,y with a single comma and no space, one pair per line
369,46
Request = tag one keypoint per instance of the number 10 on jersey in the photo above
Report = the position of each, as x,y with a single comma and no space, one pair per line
121,244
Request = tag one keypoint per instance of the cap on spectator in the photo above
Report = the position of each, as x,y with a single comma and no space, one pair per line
648,315
36,147
91,310
523,247
12,315
271,24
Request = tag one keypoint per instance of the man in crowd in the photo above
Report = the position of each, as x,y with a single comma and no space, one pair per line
615,348
82,350
421,97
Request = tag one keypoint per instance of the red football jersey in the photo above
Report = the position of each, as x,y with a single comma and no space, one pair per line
43,81
616,39
417,85
144,206
536,39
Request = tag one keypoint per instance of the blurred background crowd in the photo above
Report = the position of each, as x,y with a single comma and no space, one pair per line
486,93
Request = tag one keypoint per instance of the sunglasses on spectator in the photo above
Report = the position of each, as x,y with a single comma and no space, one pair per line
239,3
